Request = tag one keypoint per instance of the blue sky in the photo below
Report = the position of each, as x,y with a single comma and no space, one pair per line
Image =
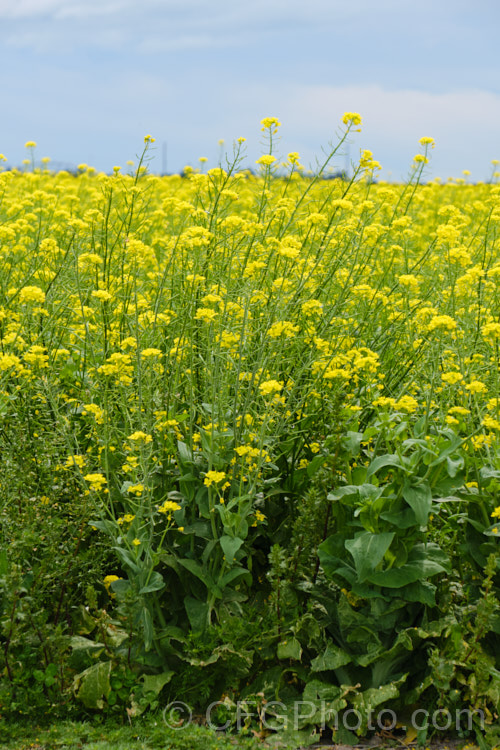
87,79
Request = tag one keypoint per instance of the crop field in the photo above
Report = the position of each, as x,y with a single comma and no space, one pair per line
249,435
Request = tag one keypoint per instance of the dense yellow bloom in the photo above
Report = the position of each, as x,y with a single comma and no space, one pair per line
169,506
36,356
32,294
450,378
490,423
140,437
491,331
283,328
8,360
95,410
206,314
269,387
442,322
96,481
351,118
214,477
407,403
76,460
270,122
136,489
476,386
266,160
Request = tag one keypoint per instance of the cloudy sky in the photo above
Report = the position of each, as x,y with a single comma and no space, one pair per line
87,79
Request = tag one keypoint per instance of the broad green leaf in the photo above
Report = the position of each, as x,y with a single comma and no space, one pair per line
314,465
153,683
148,629
454,465
233,575
79,643
395,578
196,569
420,591
368,550
332,658
155,583
195,662
390,459
404,519
185,454
230,546
120,586
368,700
199,528
290,649
351,442
317,690
419,498
430,551
92,685
197,612
127,558
487,473
115,636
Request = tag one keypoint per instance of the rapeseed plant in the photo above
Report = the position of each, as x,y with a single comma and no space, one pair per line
188,348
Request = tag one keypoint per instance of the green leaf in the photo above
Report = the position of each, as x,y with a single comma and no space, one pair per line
332,658
79,643
290,649
331,553
419,498
197,612
404,519
92,685
155,583
154,683
197,570
230,546
454,466
396,578
232,575
389,459
420,591
127,558
368,550
115,636
185,455
352,442
146,622
317,690
120,586
199,528
368,700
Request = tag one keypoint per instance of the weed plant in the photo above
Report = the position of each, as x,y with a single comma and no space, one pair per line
249,435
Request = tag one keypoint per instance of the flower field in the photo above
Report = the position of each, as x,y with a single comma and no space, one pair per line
249,435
